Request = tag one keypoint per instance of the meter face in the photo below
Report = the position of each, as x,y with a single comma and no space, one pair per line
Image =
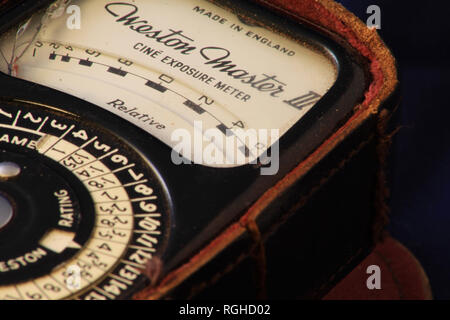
171,67
97,97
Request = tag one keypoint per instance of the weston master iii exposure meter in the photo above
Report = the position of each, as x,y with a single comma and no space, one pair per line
149,148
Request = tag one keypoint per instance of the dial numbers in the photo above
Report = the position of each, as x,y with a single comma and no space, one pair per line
120,191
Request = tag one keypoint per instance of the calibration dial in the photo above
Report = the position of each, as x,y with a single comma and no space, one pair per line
82,212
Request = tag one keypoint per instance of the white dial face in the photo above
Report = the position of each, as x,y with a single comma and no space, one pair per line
167,65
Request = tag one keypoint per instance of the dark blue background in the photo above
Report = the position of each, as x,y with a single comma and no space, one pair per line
418,33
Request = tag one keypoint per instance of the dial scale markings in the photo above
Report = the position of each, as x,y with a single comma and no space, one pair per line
116,221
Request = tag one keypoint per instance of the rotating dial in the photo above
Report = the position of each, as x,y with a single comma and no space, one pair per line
83,215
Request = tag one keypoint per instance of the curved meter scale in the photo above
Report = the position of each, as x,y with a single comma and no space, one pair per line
133,133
